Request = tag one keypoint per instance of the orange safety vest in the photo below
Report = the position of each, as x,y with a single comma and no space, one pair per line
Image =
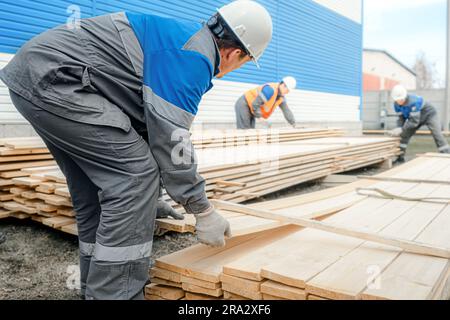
269,107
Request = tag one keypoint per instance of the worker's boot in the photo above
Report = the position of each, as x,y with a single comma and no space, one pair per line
2,237
400,159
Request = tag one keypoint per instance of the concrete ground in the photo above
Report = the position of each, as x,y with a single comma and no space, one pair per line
37,262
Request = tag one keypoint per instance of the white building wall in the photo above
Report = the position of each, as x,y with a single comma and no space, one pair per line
381,65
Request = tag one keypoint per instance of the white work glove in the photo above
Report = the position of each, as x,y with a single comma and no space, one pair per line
164,210
212,228
396,132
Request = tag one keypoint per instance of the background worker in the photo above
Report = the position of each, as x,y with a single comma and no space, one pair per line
92,92
259,104
414,113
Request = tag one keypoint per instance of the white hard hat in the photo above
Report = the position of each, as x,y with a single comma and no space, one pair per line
251,23
290,82
399,92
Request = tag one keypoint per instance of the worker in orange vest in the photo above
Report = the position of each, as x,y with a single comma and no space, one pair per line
260,103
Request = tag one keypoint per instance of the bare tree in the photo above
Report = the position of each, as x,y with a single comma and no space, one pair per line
426,71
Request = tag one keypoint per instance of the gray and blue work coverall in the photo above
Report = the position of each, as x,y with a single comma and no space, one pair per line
114,101
416,113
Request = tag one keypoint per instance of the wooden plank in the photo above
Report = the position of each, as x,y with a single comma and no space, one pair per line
5,151
10,159
12,174
56,200
200,283
42,206
19,190
153,297
165,282
5,213
242,292
271,297
231,296
410,246
29,194
14,206
6,196
280,290
19,215
286,262
164,292
335,284
64,192
25,164
241,283
196,289
66,211
413,276
27,181
70,228
393,179
40,169
185,260
196,296
6,182
317,298
58,221
156,272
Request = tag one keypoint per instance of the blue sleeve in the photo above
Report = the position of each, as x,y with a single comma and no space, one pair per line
397,108
179,77
268,92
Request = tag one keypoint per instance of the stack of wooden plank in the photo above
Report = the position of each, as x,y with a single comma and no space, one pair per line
238,174
16,154
43,196
234,173
225,138
291,262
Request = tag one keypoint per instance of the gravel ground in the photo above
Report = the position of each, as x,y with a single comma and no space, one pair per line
37,262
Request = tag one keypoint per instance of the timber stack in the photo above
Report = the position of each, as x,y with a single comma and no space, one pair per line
288,261
248,166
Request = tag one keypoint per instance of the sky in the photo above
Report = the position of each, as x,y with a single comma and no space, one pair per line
406,27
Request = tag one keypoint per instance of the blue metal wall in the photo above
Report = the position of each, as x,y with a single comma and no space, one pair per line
321,48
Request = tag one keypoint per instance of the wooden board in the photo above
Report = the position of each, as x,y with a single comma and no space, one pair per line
283,291
164,292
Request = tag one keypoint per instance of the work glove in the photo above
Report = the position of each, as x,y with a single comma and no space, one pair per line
211,228
164,210
396,132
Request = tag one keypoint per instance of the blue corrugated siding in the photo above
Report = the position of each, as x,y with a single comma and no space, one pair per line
321,48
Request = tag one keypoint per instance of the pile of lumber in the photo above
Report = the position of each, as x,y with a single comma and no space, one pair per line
21,158
237,172
387,238
202,139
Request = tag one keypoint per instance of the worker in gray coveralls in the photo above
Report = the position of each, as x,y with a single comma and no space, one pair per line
414,113
114,101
